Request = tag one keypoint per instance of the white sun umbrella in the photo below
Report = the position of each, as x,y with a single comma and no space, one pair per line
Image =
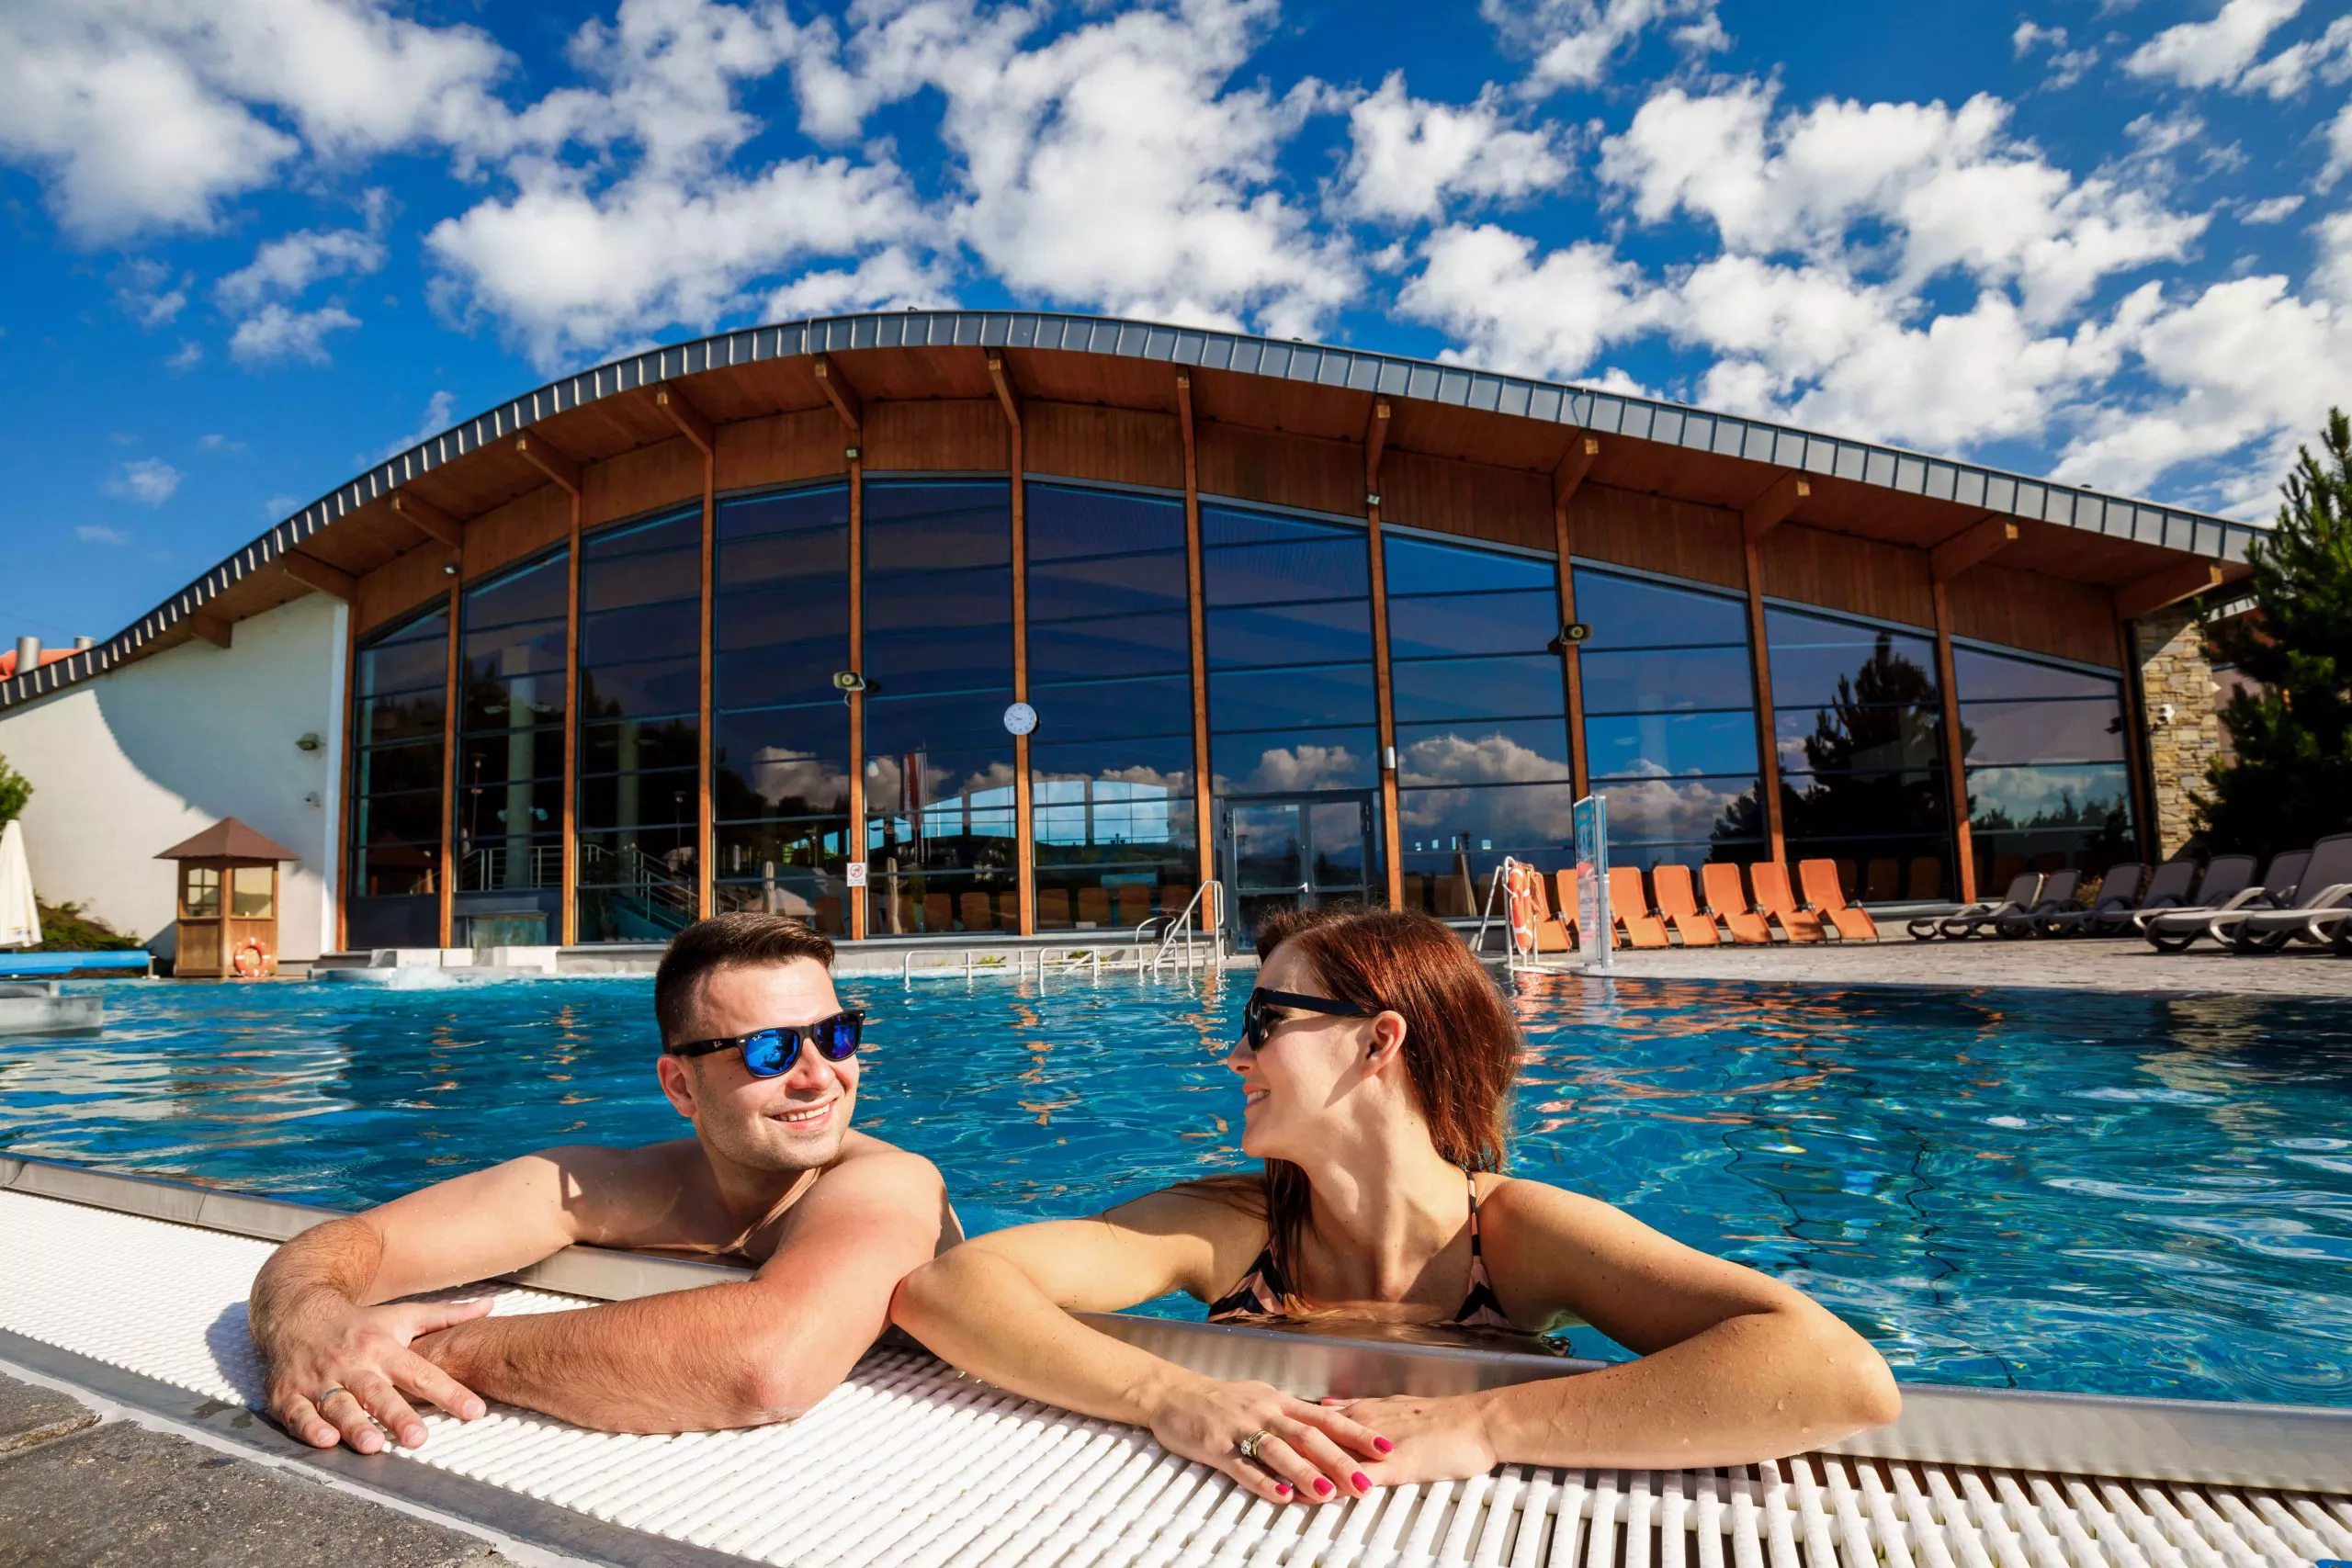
19,918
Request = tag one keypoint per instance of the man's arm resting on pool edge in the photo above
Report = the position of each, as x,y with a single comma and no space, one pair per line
731,1355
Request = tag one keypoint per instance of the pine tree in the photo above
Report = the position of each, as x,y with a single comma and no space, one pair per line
2292,781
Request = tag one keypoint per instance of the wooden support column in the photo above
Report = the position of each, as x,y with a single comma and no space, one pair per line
214,629
1024,792
448,779
1964,839
313,572
1196,588
1565,481
1763,514
1973,546
852,411
1375,443
428,519
564,473
690,424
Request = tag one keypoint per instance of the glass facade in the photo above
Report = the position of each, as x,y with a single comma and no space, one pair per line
1669,720
1479,704
640,729
1481,711
400,692
940,843
1111,677
507,808
2048,782
1857,722
1294,720
780,730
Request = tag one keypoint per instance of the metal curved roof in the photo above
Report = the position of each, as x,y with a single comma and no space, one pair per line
1387,374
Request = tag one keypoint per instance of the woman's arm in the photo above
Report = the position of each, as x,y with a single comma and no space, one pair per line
1734,1365
998,1307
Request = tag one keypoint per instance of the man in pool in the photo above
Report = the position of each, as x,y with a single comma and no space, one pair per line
759,1055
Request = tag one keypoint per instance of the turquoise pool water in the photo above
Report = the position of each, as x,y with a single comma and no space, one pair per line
2113,1194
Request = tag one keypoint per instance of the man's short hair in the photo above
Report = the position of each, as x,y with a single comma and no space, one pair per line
744,939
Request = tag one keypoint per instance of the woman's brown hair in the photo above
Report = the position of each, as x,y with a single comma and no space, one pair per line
1462,1045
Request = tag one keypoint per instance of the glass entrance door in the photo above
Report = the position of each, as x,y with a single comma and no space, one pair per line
1296,852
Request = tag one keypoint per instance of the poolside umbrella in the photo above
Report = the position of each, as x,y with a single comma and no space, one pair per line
20,917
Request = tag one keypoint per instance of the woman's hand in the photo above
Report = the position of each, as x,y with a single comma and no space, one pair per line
1437,1440
1313,1454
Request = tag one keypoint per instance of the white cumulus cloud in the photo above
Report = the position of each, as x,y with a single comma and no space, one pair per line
148,480
1410,156
276,332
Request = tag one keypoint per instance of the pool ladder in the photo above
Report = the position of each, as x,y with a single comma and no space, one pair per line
1203,916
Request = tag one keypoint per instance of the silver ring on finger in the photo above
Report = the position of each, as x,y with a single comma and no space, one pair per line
1253,1442
321,1398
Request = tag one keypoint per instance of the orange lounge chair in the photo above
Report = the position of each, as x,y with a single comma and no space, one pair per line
1728,901
1564,883
1775,902
1629,908
1819,879
979,916
1680,905
1554,933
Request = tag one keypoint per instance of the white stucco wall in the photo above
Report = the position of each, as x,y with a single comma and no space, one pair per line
136,759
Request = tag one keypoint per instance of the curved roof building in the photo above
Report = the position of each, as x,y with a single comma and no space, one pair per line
739,623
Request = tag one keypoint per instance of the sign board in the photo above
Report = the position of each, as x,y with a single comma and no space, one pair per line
1594,939
857,873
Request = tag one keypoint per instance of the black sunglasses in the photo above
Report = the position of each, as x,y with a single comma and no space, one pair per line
770,1052
1255,1025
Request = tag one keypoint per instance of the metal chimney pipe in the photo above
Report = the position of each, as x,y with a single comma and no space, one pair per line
28,655
82,642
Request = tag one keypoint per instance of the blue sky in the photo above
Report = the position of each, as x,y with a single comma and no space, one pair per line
254,245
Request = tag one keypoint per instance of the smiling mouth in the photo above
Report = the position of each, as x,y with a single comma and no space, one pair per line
1250,1097
805,1116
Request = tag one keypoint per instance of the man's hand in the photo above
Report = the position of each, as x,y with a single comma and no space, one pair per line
363,1353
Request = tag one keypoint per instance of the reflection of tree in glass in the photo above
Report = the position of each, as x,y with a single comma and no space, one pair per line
1872,754
2106,817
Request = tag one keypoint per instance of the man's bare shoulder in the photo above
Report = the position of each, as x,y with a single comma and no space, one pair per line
647,1195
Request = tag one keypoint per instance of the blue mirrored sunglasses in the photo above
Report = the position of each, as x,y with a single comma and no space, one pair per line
770,1052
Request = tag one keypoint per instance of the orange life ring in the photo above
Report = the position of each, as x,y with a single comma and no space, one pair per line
260,957
1518,882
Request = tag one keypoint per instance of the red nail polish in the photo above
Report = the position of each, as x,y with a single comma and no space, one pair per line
1322,1487
1383,1445
1364,1482
1282,1489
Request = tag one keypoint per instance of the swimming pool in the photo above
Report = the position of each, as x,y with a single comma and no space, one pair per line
2106,1194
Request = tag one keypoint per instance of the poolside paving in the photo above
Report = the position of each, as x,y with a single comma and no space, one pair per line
80,1492
2078,964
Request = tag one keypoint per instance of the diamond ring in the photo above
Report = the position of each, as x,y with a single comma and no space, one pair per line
1253,1442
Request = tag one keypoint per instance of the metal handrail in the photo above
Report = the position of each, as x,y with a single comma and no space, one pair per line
1184,925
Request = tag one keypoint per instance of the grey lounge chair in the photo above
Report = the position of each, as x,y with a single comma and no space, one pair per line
2175,930
2058,890
2119,895
2225,878
2024,891
2168,889
2322,900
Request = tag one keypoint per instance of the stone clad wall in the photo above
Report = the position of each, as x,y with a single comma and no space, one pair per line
2174,668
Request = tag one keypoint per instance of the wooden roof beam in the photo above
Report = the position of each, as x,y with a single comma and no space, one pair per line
217,630
543,455
1375,442
843,396
1771,508
1973,546
692,423
1000,377
429,519
1583,450
2166,585
313,572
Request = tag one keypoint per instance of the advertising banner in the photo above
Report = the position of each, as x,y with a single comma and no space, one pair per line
1593,940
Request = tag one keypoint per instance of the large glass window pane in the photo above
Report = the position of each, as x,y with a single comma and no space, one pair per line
1294,698
1668,680
1990,677
1431,566
398,777
1821,662
780,729
1489,751
1077,519
1662,745
1108,646
1106,585
1432,626
1632,612
1108,709
2086,730
1299,762
1682,810
2047,786
1514,687
1289,633
640,596
1303,569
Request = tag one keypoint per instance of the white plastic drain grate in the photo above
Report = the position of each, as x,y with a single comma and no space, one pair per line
910,1464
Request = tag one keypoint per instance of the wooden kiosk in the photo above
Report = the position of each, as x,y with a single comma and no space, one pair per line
228,900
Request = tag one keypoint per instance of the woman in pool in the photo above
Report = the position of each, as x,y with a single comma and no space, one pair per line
1375,1065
